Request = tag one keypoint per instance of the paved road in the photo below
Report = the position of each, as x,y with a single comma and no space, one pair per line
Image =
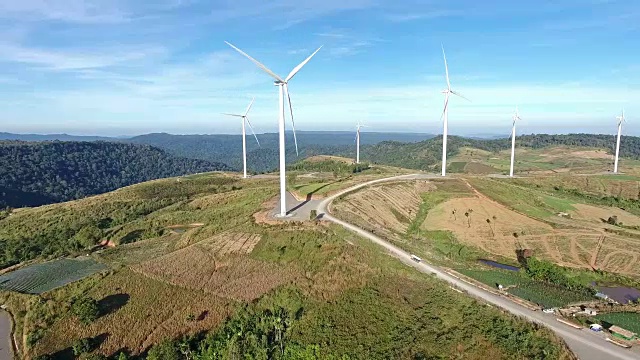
6,350
584,343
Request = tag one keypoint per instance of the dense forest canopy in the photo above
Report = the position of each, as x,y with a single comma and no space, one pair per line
228,148
37,173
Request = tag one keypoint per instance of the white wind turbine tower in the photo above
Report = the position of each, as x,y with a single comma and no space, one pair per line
516,117
358,127
245,119
282,85
445,114
620,121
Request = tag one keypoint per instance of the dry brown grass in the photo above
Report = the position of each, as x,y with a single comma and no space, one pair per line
573,244
219,266
388,208
154,311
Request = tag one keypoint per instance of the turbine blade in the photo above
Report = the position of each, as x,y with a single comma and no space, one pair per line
234,115
458,94
297,68
446,68
446,103
249,108
293,123
253,132
260,65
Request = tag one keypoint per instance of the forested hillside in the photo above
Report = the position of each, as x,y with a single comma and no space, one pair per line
39,173
427,154
228,148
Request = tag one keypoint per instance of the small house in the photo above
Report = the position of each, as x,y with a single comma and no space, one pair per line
622,333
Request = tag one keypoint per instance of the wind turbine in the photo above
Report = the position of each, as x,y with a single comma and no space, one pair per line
445,114
282,85
620,121
516,117
358,127
245,119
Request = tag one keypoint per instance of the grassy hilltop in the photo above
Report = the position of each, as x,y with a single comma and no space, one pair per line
198,273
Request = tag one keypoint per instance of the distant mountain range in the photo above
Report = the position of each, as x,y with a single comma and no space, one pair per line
227,149
53,137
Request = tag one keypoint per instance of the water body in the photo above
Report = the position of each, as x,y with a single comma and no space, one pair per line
6,349
499,265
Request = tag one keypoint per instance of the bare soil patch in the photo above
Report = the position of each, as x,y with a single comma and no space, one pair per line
495,236
597,214
591,154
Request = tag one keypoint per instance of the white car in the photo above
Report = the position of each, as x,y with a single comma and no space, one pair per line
415,258
549,311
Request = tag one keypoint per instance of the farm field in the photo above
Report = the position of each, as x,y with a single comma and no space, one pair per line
40,278
626,320
544,161
387,208
583,240
537,292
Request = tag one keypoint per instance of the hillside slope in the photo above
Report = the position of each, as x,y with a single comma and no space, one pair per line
39,173
196,273
427,154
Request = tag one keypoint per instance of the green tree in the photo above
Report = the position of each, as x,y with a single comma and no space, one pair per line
85,308
81,346
88,236
165,350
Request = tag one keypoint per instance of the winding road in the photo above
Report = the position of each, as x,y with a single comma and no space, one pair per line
585,344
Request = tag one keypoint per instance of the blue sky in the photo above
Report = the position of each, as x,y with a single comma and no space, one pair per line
115,67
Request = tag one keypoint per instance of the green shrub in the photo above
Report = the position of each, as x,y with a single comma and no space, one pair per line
81,346
165,350
86,309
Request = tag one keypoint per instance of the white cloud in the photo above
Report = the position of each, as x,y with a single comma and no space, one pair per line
75,58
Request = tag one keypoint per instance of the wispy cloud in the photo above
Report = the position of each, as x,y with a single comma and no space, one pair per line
76,58
286,13
349,49
421,15
84,11
78,11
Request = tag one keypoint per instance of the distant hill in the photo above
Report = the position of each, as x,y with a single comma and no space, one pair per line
228,148
37,173
427,154
52,137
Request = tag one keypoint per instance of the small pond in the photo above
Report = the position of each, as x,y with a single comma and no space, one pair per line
499,265
621,294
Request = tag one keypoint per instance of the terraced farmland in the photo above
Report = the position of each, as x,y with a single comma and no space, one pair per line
40,278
